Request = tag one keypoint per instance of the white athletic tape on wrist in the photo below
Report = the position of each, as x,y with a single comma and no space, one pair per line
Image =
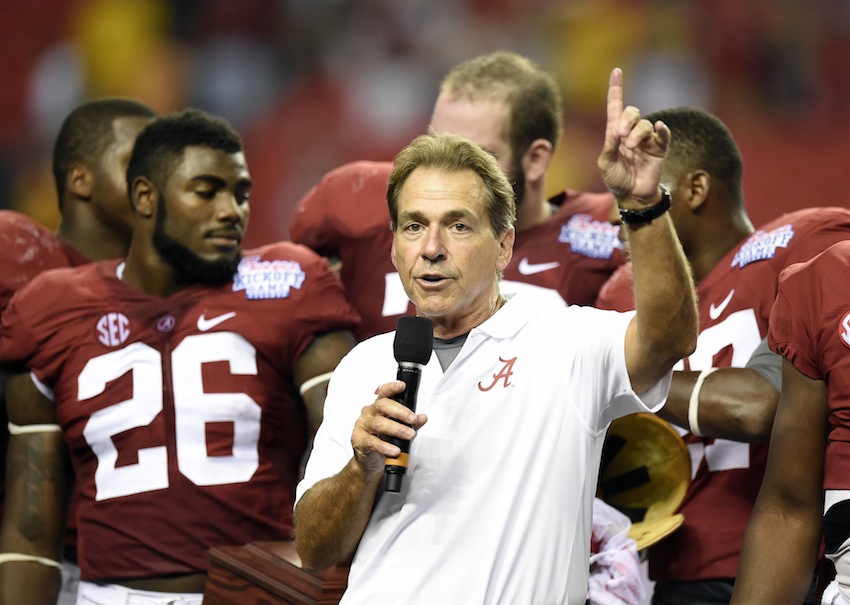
311,382
693,404
17,429
17,557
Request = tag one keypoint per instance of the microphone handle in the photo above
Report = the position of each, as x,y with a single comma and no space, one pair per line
396,468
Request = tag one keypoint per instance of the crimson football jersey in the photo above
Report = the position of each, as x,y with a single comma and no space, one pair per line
26,249
345,214
810,326
735,300
181,415
617,293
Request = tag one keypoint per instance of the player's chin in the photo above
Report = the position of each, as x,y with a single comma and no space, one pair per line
219,249
219,258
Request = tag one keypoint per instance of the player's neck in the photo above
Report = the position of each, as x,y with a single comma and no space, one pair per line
534,210
147,271
717,243
93,242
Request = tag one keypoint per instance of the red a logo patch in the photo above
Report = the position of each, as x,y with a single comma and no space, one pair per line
504,373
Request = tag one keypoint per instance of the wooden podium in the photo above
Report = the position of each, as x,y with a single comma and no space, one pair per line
268,573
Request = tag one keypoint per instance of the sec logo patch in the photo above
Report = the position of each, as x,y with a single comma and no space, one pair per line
113,329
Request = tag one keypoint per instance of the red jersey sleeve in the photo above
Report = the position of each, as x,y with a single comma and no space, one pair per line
810,326
323,306
27,249
618,292
345,204
30,320
804,304
17,341
820,228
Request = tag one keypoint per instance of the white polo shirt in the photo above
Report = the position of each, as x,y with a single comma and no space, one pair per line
496,505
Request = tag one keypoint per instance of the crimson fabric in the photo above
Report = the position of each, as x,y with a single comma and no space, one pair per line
345,215
183,422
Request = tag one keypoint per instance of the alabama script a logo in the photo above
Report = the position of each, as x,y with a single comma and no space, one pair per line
504,374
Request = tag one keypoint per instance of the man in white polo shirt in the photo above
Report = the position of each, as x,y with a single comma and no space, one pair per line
517,395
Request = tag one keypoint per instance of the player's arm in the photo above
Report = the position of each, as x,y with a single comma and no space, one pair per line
38,488
664,329
728,403
783,536
314,368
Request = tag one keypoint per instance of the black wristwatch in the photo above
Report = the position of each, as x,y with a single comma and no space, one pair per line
646,215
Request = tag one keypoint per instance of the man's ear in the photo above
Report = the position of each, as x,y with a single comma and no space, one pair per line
144,197
506,248
699,185
536,159
80,181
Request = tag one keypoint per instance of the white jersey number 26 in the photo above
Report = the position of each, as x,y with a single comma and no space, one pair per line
193,409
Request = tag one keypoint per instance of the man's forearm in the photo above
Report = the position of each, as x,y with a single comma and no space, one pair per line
331,516
664,290
664,298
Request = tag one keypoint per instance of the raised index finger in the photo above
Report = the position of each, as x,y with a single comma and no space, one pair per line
615,96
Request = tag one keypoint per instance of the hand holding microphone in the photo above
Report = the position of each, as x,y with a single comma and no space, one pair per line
412,349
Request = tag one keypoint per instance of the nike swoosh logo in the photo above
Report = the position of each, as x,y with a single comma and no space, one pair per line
205,324
526,268
715,312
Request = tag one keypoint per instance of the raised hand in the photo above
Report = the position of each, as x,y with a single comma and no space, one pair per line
633,153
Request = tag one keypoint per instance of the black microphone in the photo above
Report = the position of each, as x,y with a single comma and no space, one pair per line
414,339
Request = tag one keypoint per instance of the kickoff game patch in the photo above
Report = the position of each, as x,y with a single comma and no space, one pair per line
596,239
762,245
267,278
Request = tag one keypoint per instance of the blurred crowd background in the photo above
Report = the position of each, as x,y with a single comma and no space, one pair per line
311,84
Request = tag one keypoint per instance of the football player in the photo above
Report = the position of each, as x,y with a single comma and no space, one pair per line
179,383
90,157
725,395
805,496
565,248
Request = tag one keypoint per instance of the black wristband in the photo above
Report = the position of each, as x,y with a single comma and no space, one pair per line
638,217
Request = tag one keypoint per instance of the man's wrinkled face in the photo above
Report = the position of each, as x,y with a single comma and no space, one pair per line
445,249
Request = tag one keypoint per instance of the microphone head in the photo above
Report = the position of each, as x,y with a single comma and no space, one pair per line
414,339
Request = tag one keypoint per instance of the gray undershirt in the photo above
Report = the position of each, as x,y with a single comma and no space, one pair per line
767,363
447,350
